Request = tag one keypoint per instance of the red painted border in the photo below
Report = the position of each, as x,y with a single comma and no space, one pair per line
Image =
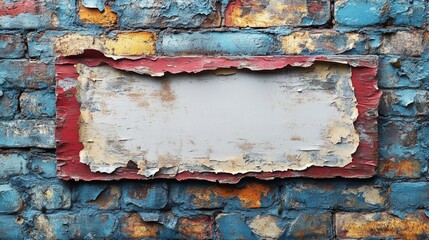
364,70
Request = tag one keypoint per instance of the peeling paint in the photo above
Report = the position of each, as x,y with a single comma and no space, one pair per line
335,144
159,139
266,227
121,44
92,15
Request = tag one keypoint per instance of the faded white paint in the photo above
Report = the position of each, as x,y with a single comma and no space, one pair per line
245,122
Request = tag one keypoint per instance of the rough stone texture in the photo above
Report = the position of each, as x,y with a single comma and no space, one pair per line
381,226
35,205
12,45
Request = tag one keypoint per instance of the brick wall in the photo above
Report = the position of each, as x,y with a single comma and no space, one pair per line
393,204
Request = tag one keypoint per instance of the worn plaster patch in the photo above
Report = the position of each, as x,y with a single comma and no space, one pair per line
245,122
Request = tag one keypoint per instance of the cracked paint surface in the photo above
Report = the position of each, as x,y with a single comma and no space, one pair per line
173,130
246,122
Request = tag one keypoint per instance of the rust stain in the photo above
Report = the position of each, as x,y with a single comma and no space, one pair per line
296,138
137,228
165,94
382,225
249,196
197,228
105,18
406,167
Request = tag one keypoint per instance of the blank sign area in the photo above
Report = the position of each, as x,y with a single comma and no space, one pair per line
241,122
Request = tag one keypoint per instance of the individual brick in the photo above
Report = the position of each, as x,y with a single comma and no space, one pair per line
10,200
233,226
76,225
134,227
209,196
266,226
50,196
12,164
44,166
381,226
196,227
401,167
12,227
403,43
26,74
12,45
400,72
98,195
409,196
27,133
311,225
166,13
37,104
145,195
404,102
273,13
217,43
355,13
8,103
93,15
25,14
333,195
323,42
116,43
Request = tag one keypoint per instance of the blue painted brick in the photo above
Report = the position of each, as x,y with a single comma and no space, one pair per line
164,13
12,45
10,200
26,74
98,195
37,104
217,43
233,226
333,195
145,195
311,225
356,13
409,196
50,196
12,164
27,133
8,103
404,102
11,227
400,72
44,166
76,225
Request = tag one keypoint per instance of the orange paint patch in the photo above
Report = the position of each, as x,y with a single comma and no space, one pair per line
382,225
105,18
197,228
137,228
406,167
249,196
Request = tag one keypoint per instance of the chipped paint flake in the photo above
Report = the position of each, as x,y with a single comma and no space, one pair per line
266,227
172,125
96,14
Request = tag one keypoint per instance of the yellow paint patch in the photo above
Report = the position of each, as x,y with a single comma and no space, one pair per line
122,44
105,18
298,42
273,13
131,44
381,225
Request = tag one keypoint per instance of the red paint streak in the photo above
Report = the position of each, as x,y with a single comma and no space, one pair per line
315,6
364,81
15,8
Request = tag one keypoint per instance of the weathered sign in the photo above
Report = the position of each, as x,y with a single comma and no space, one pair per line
216,118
